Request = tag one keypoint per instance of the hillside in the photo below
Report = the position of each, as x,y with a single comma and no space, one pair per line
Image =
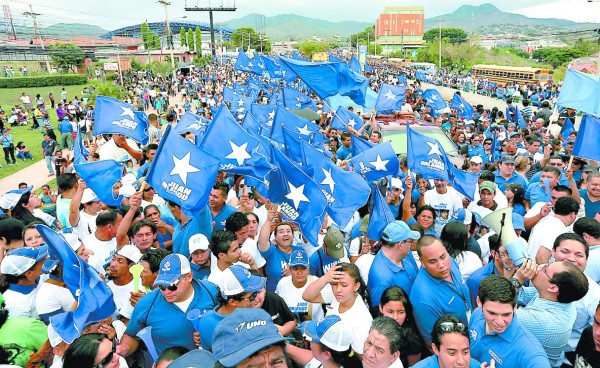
63,30
296,27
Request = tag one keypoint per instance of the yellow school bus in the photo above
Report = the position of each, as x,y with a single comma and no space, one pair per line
505,74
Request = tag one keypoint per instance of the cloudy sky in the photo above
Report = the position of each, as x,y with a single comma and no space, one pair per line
113,14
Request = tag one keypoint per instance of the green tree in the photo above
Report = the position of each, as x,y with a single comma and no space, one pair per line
66,56
244,37
453,35
375,49
146,35
136,65
182,37
190,39
563,55
309,48
107,88
362,38
198,41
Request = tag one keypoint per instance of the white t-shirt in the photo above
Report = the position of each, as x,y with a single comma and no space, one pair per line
499,198
20,305
357,318
468,262
110,150
544,233
103,251
51,297
449,201
250,246
364,263
216,275
293,298
121,293
86,224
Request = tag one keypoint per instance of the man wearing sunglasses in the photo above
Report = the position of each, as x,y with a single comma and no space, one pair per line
165,309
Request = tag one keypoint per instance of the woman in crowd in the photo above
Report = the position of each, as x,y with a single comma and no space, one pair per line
91,351
23,152
455,237
515,193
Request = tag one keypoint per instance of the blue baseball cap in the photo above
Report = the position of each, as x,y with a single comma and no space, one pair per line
171,269
330,331
463,216
9,200
243,333
397,231
518,222
20,260
299,258
194,359
238,279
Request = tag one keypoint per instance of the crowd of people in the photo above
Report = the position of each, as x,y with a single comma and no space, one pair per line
234,285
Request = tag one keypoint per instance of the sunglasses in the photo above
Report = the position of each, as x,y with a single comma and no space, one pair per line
453,327
172,287
252,297
108,359
487,143
148,189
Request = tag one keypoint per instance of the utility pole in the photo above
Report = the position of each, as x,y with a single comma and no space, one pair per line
36,33
440,21
210,11
168,34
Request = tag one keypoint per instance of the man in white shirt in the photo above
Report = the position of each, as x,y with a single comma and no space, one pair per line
121,280
118,147
84,221
486,204
224,246
441,198
102,244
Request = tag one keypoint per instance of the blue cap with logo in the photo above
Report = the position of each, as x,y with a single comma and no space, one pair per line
397,231
20,260
238,279
463,216
243,333
299,258
171,269
330,331
194,359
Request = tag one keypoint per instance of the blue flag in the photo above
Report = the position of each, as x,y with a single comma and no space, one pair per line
519,118
580,91
586,143
94,298
368,68
182,172
241,104
420,76
377,162
293,99
265,115
402,81
80,153
334,59
465,110
434,99
390,97
230,94
192,123
300,198
360,145
328,79
380,214
355,65
101,177
343,117
297,56
245,64
427,157
116,117
292,122
346,191
238,151
293,150
567,128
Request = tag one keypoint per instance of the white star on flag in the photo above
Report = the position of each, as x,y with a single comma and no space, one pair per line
351,122
240,102
304,130
328,180
250,65
296,194
127,111
379,164
272,115
433,97
182,167
390,95
238,153
434,149
461,106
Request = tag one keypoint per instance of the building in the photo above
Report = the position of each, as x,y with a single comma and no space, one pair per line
400,27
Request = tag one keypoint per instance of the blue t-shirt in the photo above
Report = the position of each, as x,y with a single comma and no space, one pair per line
170,327
277,261
219,219
536,193
516,347
591,208
562,180
344,153
320,263
200,272
433,298
475,151
207,326
475,279
432,362
385,273
200,224
515,178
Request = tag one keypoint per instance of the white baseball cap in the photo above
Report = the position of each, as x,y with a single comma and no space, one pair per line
198,242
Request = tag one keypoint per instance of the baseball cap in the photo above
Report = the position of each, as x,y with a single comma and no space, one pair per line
172,267
89,196
487,185
397,183
334,241
590,168
527,154
507,158
194,359
127,190
129,179
197,242
397,231
330,331
463,216
513,125
131,252
364,225
516,188
518,222
243,333
299,258
238,279
20,260
9,200
476,159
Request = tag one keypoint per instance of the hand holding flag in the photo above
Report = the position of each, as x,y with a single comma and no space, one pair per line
116,117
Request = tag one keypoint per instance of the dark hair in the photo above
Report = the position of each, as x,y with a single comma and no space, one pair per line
397,294
563,189
66,181
236,221
425,241
553,170
487,175
150,206
454,237
437,331
11,229
571,236
345,358
345,135
427,208
572,283
495,242
565,206
378,133
389,328
23,214
172,353
495,288
221,241
107,217
82,352
140,224
583,225
222,186
354,272
154,256
250,213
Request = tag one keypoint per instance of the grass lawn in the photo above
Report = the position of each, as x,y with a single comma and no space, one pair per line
9,97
